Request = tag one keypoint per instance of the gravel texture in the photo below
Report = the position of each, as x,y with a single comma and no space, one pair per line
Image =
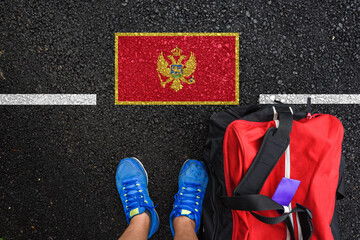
57,163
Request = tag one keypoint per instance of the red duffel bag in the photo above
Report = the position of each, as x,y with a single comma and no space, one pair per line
274,174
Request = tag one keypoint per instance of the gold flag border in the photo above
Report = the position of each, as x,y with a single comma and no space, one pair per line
225,34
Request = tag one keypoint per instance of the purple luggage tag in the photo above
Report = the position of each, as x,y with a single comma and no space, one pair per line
285,191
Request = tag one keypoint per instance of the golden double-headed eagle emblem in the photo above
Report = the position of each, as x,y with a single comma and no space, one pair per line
176,73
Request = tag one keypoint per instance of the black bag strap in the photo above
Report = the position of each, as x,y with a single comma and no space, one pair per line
274,144
305,217
251,202
257,202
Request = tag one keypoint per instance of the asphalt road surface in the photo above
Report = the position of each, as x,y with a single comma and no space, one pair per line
57,163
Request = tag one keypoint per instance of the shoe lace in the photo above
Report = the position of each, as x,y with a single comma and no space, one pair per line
188,197
134,196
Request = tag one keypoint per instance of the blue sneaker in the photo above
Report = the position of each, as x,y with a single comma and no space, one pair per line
131,182
193,180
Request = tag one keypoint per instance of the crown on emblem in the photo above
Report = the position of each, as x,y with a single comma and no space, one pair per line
176,51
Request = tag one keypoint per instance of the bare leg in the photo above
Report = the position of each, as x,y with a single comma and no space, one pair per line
184,228
138,228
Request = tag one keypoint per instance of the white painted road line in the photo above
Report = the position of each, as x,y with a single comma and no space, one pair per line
315,98
47,99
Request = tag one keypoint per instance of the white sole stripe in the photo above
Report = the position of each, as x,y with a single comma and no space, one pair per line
47,99
315,98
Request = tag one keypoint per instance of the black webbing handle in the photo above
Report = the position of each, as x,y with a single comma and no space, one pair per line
253,202
305,217
274,144
257,202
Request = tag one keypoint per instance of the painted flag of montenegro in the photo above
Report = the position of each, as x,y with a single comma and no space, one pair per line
176,68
